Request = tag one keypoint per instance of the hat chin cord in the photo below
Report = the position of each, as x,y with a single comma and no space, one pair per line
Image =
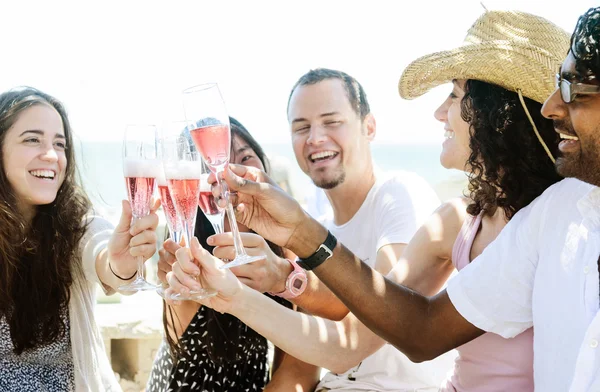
534,127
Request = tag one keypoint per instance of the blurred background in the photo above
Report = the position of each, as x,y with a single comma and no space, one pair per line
120,62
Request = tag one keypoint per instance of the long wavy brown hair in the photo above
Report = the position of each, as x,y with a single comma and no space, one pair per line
509,166
38,259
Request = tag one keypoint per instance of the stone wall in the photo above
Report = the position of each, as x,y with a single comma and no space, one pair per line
132,331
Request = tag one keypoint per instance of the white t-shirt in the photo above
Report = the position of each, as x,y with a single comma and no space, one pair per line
317,204
393,210
542,271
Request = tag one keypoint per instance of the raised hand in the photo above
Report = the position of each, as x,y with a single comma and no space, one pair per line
198,262
127,242
269,211
268,274
166,258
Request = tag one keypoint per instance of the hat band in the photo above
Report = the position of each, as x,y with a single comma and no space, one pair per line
534,127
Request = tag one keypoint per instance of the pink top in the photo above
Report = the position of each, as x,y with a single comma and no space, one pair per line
490,362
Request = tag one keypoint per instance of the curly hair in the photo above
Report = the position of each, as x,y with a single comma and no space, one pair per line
38,259
509,167
585,44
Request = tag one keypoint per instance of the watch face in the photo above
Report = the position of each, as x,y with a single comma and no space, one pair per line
297,284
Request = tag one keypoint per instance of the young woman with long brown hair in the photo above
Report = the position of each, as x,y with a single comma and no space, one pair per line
53,251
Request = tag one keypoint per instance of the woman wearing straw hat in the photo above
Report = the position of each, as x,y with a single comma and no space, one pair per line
494,132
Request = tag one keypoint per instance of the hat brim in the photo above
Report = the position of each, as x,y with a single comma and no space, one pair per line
508,64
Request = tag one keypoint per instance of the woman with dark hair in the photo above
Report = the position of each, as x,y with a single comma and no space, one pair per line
496,134
53,252
204,350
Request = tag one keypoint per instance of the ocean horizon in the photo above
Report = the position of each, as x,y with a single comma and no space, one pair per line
100,166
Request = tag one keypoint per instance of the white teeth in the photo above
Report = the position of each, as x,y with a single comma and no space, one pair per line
323,154
449,134
568,137
42,173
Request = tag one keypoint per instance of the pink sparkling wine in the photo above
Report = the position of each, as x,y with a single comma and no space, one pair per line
207,203
169,208
213,142
185,197
140,190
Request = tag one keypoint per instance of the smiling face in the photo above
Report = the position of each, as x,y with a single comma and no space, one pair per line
455,149
579,125
243,154
330,141
34,156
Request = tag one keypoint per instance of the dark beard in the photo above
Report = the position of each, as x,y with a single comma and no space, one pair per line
569,166
331,184
584,166
586,170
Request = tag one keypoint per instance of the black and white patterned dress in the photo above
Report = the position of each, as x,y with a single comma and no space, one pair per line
45,368
200,370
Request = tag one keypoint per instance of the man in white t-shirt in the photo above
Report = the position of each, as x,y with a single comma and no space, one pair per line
391,213
373,215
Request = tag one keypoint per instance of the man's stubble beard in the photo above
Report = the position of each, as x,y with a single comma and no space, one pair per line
580,166
330,184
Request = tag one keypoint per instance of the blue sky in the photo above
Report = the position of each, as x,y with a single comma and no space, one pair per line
119,62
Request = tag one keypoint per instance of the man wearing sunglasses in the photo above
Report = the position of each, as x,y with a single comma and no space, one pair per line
541,271
569,91
575,107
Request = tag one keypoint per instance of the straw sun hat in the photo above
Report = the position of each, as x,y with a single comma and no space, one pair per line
515,50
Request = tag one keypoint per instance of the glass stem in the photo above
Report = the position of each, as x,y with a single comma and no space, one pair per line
217,222
140,259
175,236
188,230
140,268
237,239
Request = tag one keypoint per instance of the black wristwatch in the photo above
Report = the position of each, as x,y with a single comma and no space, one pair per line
324,252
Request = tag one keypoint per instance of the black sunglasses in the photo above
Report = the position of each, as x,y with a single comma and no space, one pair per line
569,91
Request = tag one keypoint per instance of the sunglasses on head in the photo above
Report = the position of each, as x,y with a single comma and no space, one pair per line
569,91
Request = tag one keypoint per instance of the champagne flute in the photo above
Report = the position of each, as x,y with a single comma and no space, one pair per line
173,220
182,166
173,223
209,127
208,204
140,168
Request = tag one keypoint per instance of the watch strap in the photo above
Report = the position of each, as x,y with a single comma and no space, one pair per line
324,252
297,273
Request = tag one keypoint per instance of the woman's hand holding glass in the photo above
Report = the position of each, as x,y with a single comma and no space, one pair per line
166,258
196,268
267,275
182,168
128,242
